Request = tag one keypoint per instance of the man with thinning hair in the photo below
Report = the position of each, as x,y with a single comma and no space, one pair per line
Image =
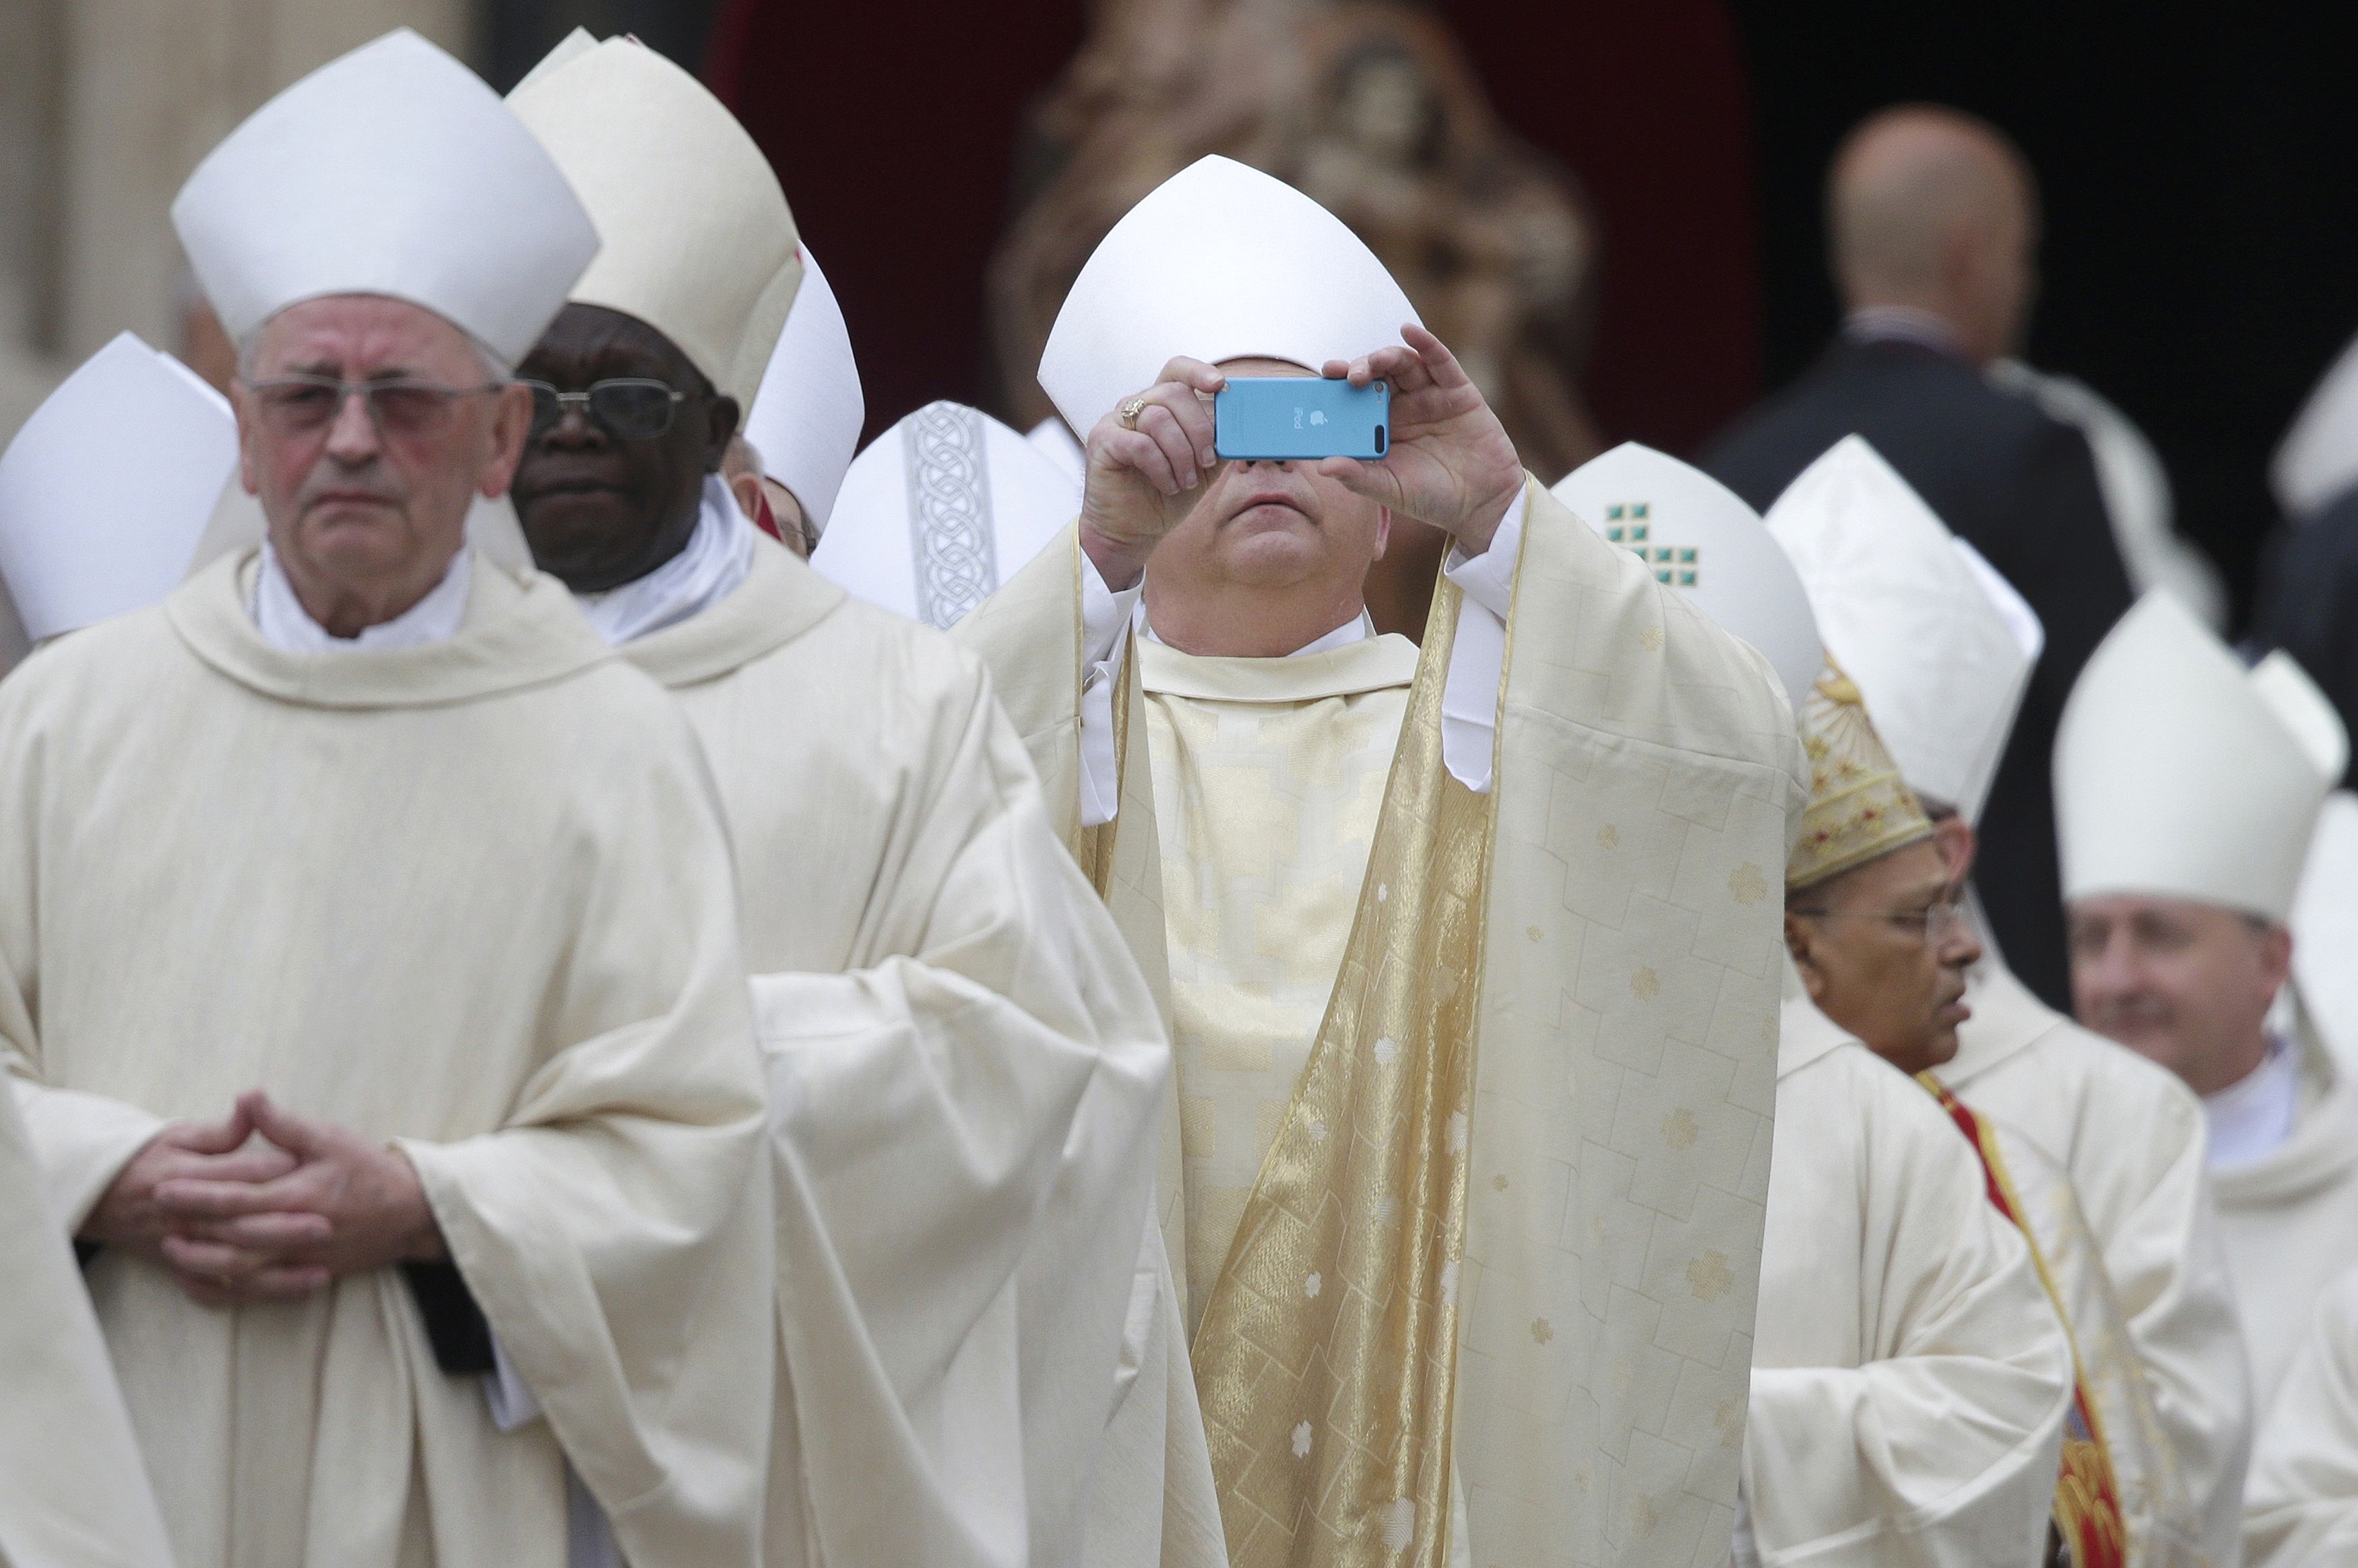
361,852
1932,224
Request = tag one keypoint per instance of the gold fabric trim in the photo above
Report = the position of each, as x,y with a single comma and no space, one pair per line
1326,1358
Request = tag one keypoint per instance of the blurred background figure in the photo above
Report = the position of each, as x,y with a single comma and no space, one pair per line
1933,224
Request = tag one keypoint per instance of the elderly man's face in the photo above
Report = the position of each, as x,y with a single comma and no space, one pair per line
365,510
602,506
2187,984
1883,951
1271,525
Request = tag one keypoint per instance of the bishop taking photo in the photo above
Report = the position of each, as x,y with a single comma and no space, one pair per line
594,973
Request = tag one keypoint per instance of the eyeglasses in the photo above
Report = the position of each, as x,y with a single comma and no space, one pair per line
307,404
631,408
1932,925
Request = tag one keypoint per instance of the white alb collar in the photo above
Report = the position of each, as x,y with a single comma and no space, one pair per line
287,626
2251,1117
1358,628
715,560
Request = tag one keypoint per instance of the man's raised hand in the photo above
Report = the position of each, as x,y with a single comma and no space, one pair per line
1148,460
1448,461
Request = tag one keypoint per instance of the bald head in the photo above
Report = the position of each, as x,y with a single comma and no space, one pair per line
1934,209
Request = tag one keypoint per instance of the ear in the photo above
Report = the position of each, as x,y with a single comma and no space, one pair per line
1957,842
511,425
2276,956
721,427
240,403
747,488
1797,943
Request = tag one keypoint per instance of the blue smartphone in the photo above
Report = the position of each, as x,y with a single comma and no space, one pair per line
1303,417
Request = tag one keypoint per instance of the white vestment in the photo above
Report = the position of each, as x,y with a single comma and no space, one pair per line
74,1493
474,898
2289,1220
1910,1378
982,1360
1609,953
2147,1200
2301,1511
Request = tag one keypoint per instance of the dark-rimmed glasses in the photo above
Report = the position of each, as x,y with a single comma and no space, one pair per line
398,407
629,408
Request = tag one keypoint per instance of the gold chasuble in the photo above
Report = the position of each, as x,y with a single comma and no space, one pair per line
1494,1073
982,1364
472,898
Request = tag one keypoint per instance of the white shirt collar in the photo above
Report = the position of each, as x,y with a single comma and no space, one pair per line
2251,1117
1904,323
717,557
1358,628
287,626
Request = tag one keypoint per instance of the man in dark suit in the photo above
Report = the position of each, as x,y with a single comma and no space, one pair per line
1933,218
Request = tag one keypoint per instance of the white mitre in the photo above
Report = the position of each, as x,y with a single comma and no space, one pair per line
698,241
2181,774
1699,536
806,417
1942,659
940,510
2319,458
105,490
393,170
2325,928
1219,261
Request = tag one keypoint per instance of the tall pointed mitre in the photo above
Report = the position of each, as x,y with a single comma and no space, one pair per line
699,242
1860,808
1942,652
806,417
393,170
2319,458
1219,261
940,510
1699,536
2180,774
105,491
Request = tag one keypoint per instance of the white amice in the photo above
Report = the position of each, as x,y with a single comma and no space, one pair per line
2250,1119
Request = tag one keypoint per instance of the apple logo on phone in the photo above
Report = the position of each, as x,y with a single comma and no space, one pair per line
1318,417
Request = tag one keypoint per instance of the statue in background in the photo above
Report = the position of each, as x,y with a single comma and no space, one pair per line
1371,109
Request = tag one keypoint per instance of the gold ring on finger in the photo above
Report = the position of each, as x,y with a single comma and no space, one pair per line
1130,411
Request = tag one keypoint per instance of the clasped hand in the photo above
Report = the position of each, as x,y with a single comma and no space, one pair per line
265,1205
1448,461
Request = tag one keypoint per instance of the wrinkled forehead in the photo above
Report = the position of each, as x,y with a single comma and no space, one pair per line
359,335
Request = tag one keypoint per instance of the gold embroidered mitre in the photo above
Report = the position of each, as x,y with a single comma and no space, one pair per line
1859,806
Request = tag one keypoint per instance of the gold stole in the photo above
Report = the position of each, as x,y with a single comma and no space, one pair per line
1326,1358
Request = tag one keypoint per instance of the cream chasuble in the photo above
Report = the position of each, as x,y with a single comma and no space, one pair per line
2301,1511
74,1493
1911,1379
2289,1220
1269,775
1502,1245
2148,1203
983,1363
2119,1497
474,898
